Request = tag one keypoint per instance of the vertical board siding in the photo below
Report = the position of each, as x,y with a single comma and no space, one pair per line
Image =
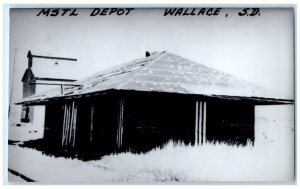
74,125
92,122
200,122
196,123
66,126
69,124
230,122
200,116
64,123
204,122
120,123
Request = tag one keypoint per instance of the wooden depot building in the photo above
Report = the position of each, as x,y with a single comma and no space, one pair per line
149,101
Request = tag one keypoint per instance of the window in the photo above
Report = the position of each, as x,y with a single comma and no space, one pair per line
25,114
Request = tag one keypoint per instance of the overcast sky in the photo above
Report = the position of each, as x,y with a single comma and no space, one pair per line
258,49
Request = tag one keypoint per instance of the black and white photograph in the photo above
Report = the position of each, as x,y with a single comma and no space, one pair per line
151,95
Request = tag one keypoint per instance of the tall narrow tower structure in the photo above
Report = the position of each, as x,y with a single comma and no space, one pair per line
42,74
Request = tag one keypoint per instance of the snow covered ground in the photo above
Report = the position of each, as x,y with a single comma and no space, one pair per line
24,132
270,159
15,178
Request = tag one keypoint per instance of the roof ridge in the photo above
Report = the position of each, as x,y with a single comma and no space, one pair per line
110,69
162,54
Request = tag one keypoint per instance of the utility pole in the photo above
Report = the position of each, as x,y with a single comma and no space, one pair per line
12,82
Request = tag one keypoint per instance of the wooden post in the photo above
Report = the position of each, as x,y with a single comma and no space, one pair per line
62,89
120,123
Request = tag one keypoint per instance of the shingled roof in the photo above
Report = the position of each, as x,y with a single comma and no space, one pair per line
163,72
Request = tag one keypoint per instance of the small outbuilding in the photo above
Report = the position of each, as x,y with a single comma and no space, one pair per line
149,101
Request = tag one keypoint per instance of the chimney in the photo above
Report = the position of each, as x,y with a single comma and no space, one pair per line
147,54
29,56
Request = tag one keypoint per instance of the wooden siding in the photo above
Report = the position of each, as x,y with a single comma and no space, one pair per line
106,123
229,121
152,120
200,122
140,122
120,123
53,125
69,124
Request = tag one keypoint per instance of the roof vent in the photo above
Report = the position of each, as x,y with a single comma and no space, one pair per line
147,54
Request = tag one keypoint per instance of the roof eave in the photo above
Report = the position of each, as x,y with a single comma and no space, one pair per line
257,100
253,100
